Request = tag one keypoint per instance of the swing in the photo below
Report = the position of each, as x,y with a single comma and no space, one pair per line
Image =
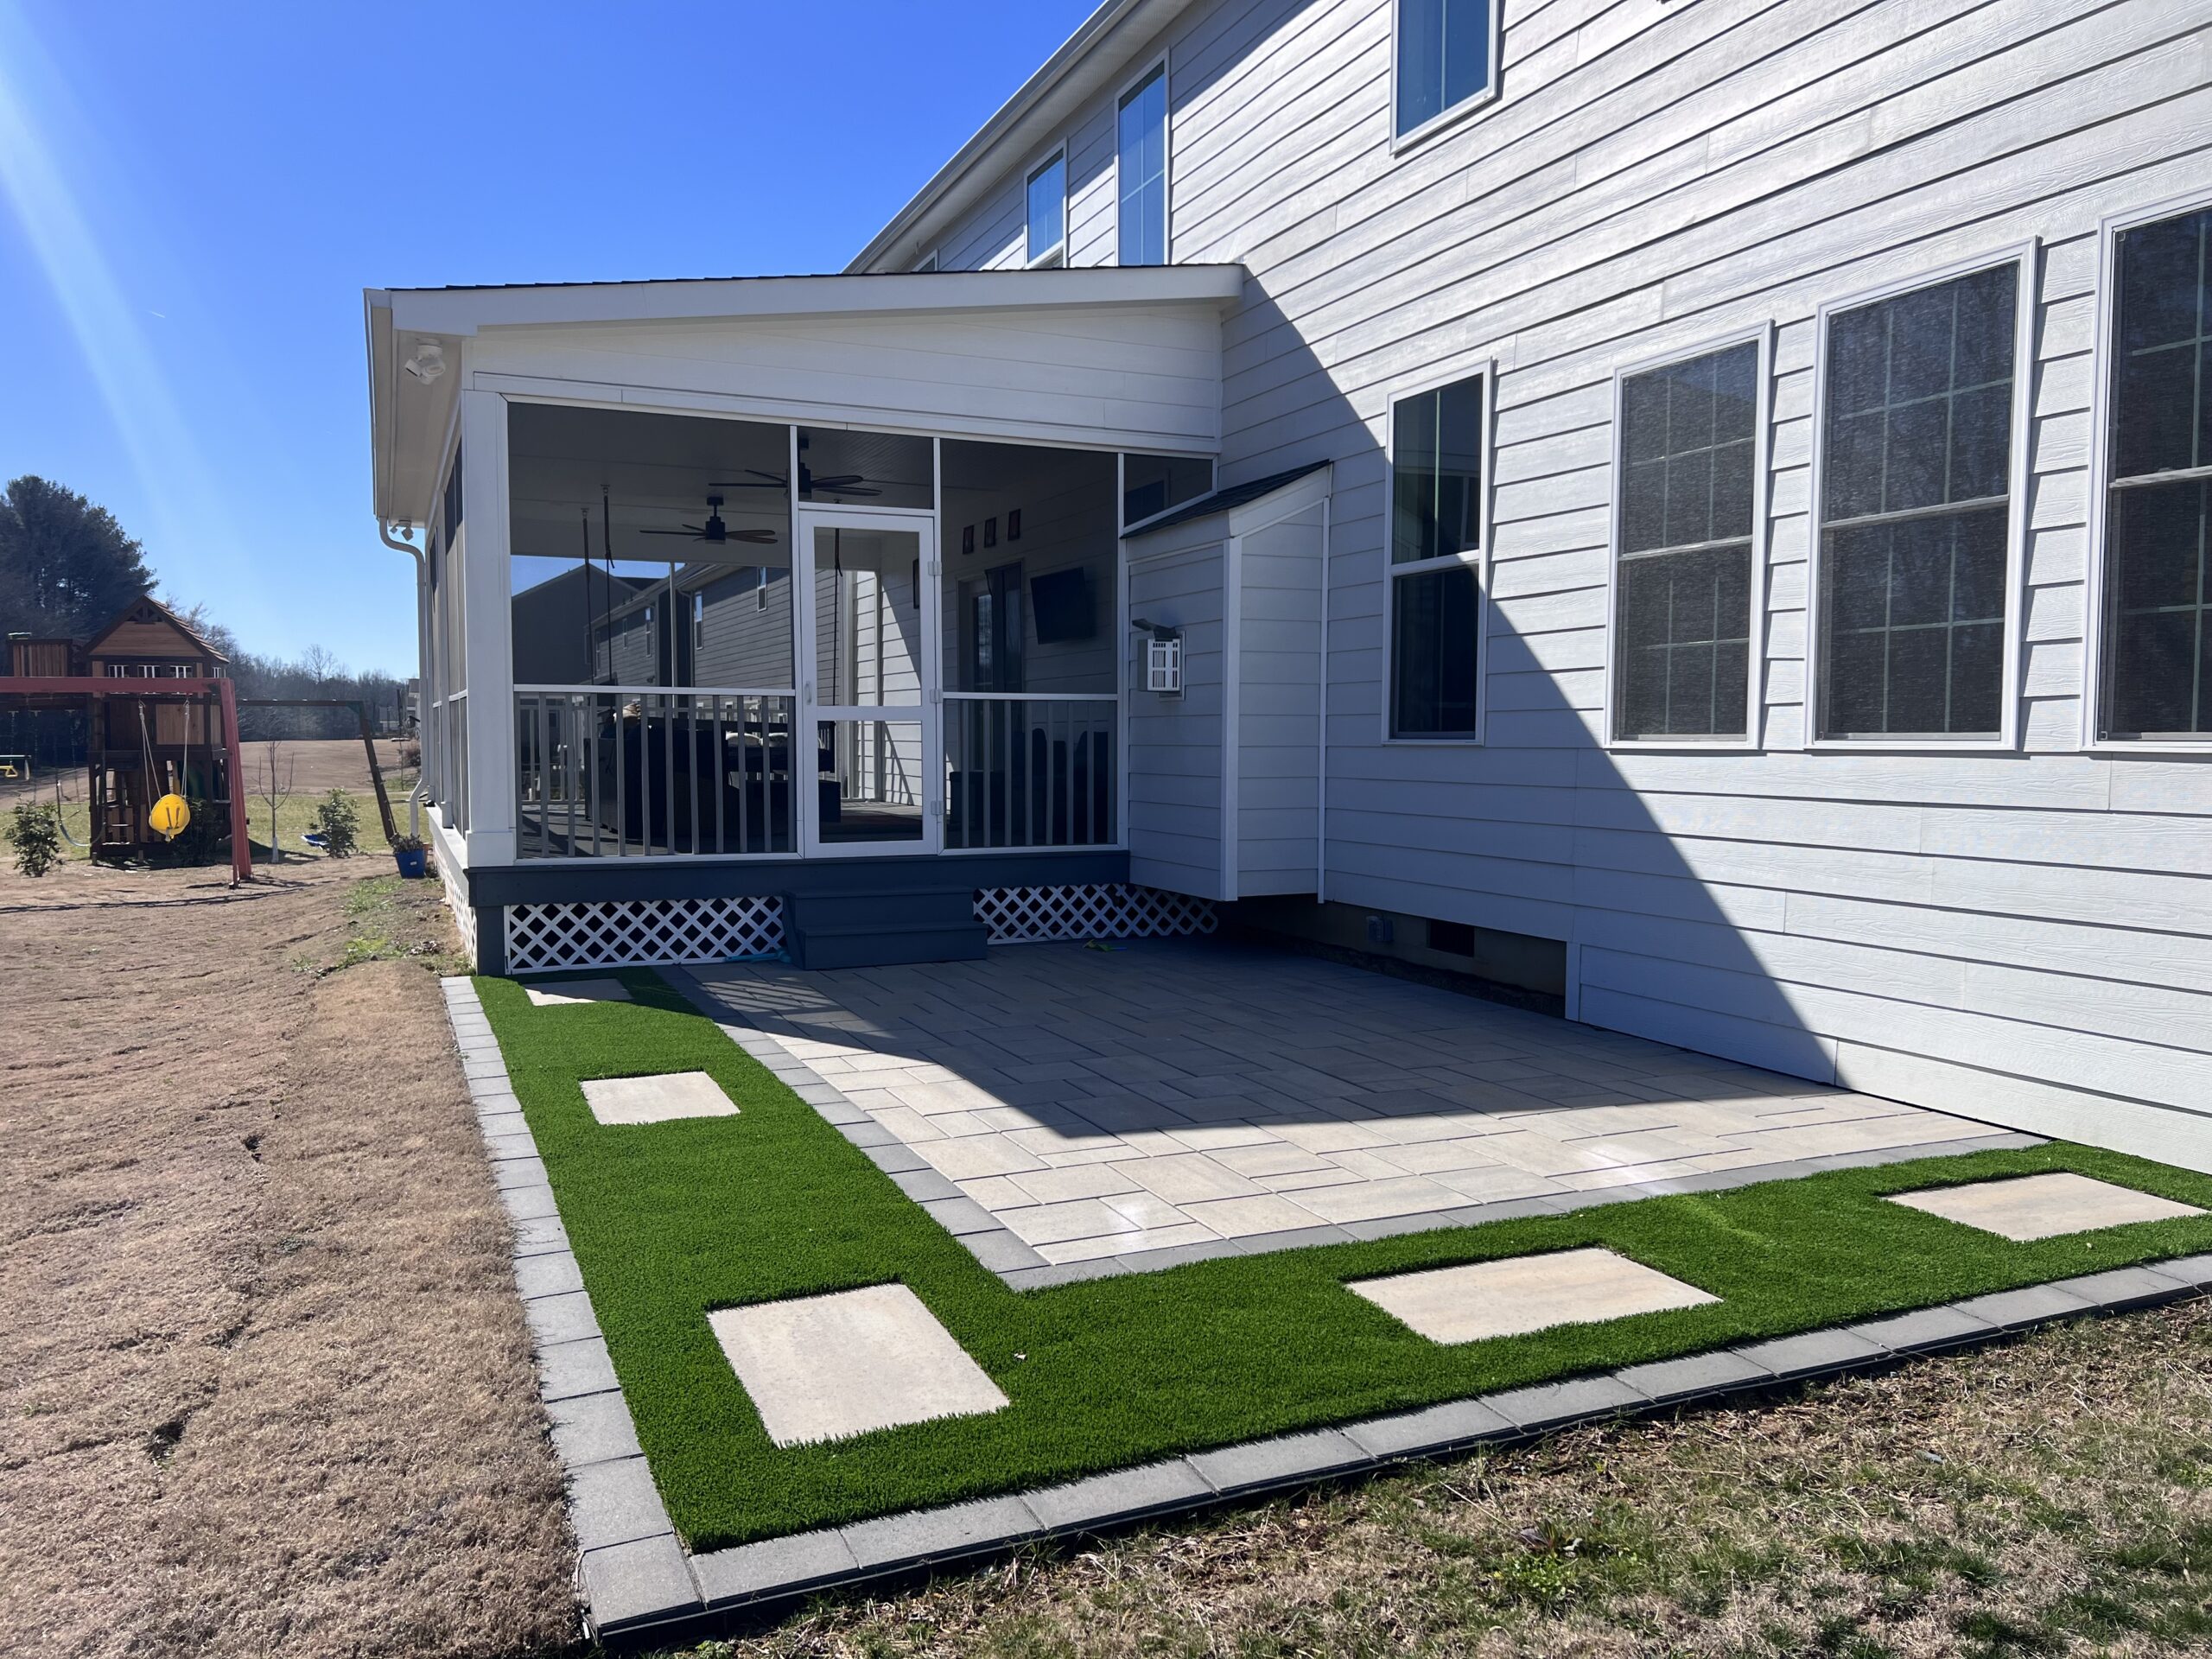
170,815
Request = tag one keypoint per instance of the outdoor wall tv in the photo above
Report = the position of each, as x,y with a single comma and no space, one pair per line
1060,606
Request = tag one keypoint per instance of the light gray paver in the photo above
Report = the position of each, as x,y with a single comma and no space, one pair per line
941,1534
2027,1207
1527,1293
1201,1074
1433,1429
638,1586
615,1502
631,1101
823,1368
778,1567
593,1428
1124,1495
1259,1465
1817,1353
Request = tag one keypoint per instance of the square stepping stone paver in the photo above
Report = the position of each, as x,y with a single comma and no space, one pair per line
572,992
1527,1293
657,1100
823,1368
2042,1206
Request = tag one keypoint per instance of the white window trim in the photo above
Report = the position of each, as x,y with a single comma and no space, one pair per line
1058,253
2028,255
1479,560
2103,358
1762,338
1166,155
1473,104
930,262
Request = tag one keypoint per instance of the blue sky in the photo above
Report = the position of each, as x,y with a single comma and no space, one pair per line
192,198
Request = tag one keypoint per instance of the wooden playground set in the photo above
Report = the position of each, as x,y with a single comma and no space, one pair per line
161,730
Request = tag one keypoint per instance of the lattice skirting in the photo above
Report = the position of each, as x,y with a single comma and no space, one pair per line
1112,910
641,933
464,915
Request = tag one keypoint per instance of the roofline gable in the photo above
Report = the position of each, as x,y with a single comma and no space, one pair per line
1094,59
191,635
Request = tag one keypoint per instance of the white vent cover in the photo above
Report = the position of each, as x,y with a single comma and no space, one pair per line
641,933
1163,665
1100,910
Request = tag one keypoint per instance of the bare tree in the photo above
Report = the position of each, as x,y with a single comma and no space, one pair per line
276,789
323,667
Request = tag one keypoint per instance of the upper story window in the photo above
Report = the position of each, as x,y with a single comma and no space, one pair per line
1916,509
1447,59
1048,212
1142,169
2156,644
1682,634
1437,492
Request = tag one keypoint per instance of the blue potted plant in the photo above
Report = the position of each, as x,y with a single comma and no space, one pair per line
412,857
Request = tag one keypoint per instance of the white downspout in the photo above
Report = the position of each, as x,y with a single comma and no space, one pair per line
422,665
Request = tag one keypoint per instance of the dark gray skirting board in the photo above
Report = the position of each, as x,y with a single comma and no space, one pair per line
641,1587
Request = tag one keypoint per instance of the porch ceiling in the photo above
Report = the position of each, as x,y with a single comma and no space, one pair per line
1107,356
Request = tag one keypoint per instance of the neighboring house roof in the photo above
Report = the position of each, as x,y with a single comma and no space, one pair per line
1229,499
1096,57
131,613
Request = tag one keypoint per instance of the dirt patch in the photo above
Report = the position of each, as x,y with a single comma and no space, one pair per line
263,1382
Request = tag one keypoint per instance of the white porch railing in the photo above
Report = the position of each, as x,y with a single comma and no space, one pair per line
617,772
1029,769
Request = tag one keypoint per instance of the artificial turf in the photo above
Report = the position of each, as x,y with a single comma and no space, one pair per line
671,1221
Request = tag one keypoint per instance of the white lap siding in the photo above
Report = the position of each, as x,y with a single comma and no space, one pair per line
2022,936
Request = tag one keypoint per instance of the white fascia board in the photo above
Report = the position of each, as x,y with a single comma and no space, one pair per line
1094,60
463,311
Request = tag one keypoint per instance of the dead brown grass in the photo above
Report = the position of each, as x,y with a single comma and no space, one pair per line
263,1382
2049,1497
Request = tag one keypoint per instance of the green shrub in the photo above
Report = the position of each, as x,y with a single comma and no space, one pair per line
36,833
338,825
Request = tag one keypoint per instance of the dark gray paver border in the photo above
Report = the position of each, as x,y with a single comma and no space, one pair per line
641,1587
998,1248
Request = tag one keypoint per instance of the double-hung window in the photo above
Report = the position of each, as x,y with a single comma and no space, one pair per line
1682,593
1047,197
2156,644
1141,165
1915,510
1436,522
1446,61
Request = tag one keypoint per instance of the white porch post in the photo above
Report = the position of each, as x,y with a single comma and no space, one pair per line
486,639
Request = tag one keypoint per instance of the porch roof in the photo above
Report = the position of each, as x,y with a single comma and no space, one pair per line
417,337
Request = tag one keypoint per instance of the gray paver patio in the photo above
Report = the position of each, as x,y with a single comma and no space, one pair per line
1522,1293
2043,1206
1099,1104
657,1100
822,1367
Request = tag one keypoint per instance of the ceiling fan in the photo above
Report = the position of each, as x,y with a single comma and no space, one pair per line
714,531
808,481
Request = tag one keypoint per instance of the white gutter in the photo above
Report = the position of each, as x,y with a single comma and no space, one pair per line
421,666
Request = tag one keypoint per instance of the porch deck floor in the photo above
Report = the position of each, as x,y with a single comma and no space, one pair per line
1102,1105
